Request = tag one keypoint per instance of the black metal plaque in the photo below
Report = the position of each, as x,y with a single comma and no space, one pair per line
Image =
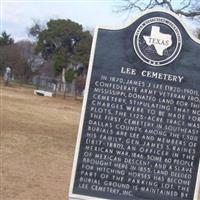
139,130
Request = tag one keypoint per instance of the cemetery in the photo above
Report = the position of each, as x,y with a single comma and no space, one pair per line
123,120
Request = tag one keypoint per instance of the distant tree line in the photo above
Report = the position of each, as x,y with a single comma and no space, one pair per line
63,44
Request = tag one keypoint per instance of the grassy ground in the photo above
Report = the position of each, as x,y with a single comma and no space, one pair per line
38,136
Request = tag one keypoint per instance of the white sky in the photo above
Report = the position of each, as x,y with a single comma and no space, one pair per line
18,15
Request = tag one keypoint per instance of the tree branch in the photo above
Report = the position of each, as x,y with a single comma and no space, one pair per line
188,8
165,3
188,14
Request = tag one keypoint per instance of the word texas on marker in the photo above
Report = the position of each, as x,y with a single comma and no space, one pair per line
139,134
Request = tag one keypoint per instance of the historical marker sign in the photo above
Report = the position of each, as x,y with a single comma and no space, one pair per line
139,131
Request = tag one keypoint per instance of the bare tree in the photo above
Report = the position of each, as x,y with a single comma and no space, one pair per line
26,49
188,8
17,56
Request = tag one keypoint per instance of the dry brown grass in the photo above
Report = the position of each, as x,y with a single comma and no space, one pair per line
38,136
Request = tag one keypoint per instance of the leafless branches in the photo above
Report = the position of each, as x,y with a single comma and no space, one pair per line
188,8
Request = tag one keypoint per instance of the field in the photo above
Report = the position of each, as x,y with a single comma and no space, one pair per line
38,136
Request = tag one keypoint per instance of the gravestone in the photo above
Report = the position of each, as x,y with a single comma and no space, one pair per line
139,129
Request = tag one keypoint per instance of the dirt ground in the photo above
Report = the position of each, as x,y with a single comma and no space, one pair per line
38,136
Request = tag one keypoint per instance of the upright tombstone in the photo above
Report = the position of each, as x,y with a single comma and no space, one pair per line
139,130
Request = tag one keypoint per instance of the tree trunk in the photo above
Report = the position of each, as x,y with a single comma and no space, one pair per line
63,81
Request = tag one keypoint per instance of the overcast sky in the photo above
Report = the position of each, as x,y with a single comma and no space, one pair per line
18,15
